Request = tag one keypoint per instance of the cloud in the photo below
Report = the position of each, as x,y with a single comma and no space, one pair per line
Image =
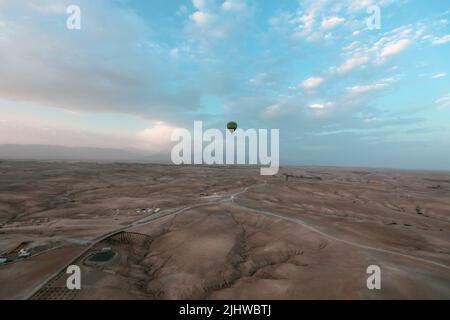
156,138
305,26
213,61
312,82
271,111
211,21
233,5
203,16
443,102
202,19
312,19
366,88
48,8
360,5
439,75
332,22
376,53
202,4
441,40
395,47
372,120
321,106
262,79
33,130
98,68
350,64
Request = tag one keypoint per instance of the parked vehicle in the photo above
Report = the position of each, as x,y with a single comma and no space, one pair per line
23,253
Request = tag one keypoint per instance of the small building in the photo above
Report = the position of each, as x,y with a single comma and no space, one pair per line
23,253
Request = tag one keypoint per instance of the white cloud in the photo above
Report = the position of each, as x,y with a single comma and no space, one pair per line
156,138
262,79
233,5
312,82
36,58
443,102
271,111
441,40
351,46
36,130
312,18
322,106
305,26
395,47
350,64
359,5
49,8
388,45
359,89
212,21
439,75
372,120
201,4
365,88
332,22
201,18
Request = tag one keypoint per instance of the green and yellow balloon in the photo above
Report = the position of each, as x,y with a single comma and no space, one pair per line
232,126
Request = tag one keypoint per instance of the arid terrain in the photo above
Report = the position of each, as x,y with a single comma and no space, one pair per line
207,232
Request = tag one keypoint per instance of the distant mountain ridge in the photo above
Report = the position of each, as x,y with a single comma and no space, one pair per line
55,152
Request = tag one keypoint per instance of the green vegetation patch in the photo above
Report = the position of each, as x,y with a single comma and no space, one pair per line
102,256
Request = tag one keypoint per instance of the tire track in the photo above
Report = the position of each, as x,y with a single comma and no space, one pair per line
329,236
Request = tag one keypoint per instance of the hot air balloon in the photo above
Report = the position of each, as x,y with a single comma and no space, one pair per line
231,126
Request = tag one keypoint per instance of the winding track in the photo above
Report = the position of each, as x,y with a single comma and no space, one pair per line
139,222
329,236
231,199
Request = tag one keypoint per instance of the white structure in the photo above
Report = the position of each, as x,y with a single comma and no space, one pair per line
23,253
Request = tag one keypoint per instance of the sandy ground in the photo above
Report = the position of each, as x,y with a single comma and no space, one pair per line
19,278
222,232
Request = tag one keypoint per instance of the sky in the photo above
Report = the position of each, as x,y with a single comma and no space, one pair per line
340,93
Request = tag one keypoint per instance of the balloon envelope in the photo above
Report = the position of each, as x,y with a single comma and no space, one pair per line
231,126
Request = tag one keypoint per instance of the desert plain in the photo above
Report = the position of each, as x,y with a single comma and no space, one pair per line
222,232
